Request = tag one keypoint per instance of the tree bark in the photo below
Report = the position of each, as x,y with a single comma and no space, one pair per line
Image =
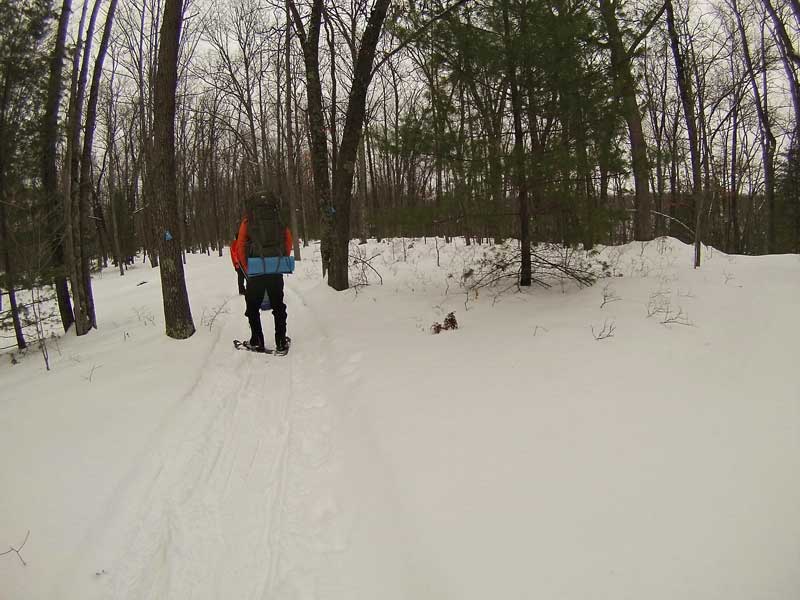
335,203
85,184
687,102
520,173
309,41
112,181
53,199
768,142
625,88
351,135
734,216
177,312
74,224
291,171
333,114
783,34
791,61
363,225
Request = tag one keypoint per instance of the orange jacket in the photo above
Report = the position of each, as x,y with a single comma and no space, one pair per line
233,255
239,245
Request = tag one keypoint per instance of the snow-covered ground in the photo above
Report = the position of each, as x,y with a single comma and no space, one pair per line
516,457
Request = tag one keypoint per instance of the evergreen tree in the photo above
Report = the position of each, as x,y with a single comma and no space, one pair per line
23,64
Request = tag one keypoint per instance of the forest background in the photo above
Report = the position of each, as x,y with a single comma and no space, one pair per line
136,129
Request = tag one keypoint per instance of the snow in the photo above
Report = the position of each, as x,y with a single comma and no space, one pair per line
515,457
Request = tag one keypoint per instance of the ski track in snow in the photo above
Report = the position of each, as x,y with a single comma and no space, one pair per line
241,480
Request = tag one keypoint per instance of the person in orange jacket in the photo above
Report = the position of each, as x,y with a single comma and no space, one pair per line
240,276
259,284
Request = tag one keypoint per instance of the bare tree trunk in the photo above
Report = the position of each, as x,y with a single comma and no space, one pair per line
85,173
351,135
302,195
768,142
111,129
687,101
333,115
674,175
53,198
291,174
791,61
260,161
373,197
362,220
14,307
520,171
659,183
625,88
262,120
309,42
177,312
734,216
362,192
213,175
144,114
702,143
336,205
657,103
75,246
783,34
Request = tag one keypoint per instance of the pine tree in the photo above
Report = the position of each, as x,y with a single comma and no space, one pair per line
23,65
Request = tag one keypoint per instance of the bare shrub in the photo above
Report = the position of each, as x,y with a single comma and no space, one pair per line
609,295
361,267
208,319
606,332
551,264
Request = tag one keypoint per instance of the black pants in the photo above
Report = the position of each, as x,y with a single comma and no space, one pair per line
240,278
256,287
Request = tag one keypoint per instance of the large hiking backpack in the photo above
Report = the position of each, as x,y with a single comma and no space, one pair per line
266,250
265,227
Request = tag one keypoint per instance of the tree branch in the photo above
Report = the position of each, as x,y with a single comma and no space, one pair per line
643,34
12,549
420,31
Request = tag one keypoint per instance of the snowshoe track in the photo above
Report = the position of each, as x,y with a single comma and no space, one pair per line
242,478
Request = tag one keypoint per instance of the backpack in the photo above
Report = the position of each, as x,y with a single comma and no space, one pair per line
265,227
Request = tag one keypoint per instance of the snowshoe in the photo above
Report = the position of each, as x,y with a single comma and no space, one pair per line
246,345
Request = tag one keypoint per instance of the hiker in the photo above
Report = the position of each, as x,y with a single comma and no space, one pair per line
262,250
239,270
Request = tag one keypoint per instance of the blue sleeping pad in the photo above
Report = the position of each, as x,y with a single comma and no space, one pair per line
270,265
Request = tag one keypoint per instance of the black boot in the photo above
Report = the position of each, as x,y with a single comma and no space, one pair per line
282,344
256,343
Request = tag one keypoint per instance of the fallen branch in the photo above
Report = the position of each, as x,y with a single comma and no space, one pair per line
12,549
